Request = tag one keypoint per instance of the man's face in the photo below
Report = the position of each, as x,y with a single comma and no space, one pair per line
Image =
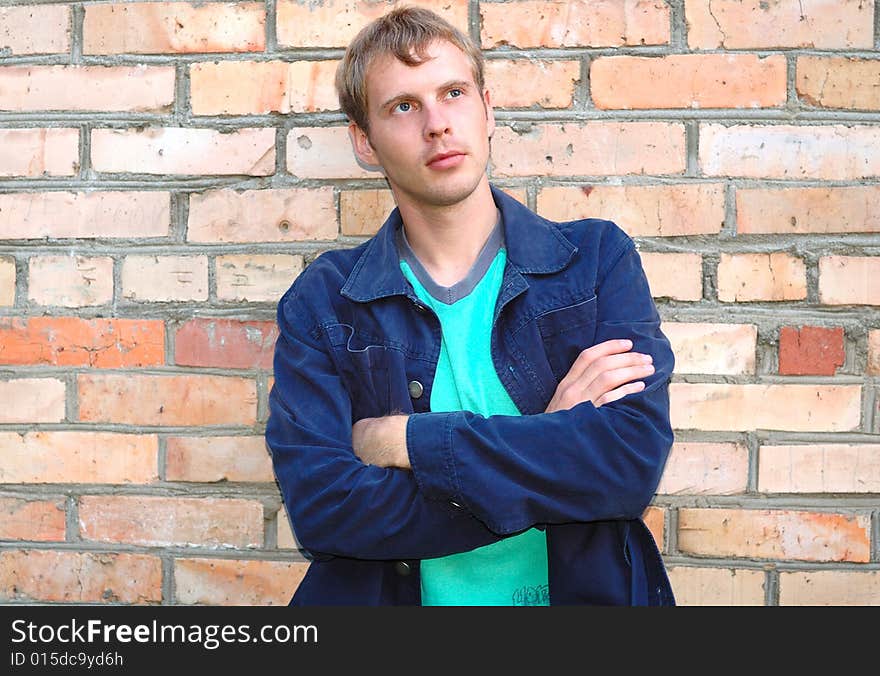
429,126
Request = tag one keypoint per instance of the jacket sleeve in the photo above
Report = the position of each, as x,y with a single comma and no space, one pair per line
337,504
581,464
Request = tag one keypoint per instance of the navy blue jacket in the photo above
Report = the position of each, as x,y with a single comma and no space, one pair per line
356,342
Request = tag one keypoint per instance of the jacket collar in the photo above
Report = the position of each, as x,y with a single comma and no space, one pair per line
534,244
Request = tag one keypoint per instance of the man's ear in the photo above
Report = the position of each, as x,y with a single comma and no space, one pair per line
360,143
490,114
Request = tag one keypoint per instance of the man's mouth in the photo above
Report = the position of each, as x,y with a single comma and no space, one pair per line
445,160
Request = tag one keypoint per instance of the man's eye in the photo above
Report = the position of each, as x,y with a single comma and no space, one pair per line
455,93
403,106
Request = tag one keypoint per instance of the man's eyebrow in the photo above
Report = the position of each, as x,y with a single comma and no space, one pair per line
446,85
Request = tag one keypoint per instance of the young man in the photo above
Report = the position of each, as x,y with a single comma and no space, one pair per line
470,408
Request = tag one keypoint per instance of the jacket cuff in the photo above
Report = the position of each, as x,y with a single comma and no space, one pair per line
429,444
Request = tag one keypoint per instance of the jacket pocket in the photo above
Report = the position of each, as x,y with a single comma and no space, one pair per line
566,331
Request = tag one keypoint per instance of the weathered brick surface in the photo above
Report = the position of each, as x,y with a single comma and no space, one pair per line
819,468
655,520
695,586
35,29
531,83
723,349
810,350
829,588
678,276
362,212
260,277
222,582
225,343
22,519
873,367
705,468
807,210
324,152
70,281
776,276
284,533
32,400
849,280
165,278
7,280
210,459
839,82
37,152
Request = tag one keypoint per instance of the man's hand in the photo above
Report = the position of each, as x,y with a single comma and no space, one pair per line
381,441
601,374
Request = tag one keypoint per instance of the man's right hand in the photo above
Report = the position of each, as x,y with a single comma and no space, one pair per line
601,374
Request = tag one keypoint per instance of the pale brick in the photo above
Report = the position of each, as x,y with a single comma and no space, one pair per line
362,212
839,82
775,534
219,582
165,278
32,400
819,468
174,27
808,210
333,23
38,152
284,532
281,215
574,23
798,408
694,586
705,468
80,577
873,366
34,29
160,521
70,281
22,519
835,153
829,588
688,81
324,152
78,458
775,276
245,277
7,281
194,400
654,518
641,210
87,88
522,83
849,280
589,149
209,459
674,275
819,24
182,150
718,349
121,214
261,87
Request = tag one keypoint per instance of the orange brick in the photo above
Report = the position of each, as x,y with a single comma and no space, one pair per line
873,367
324,152
32,400
283,215
705,468
590,149
37,152
71,341
85,215
261,87
87,88
799,408
165,278
849,280
188,151
7,281
195,400
362,212
78,458
808,210
263,277
209,459
722,349
810,350
829,588
775,276
31,519
689,81
655,519
221,582
674,275
641,210
70,281
775,534
80,577
159,521
285,537
819,468
835,153
174,27
225,343
737,24
35,29
695,586
839,82
333,23
577,23
531,83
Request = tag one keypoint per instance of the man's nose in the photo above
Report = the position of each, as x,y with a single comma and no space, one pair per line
436,121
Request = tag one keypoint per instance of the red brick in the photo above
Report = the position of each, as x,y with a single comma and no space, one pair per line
24,519
819,468
695,586
35,29
225,343
810,350
32,400
36,152
70,281
849,280
705,468
210,459
521,83
829,588
195,400
79,577
808,210
160,521
71,341
839,82
221,582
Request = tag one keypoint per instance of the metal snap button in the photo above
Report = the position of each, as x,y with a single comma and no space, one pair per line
402,568
415,389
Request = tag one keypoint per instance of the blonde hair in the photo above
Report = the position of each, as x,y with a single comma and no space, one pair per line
406,33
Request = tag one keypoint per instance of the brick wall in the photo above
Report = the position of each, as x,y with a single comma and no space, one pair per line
168,168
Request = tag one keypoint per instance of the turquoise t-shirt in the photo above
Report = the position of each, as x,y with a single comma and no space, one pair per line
512,571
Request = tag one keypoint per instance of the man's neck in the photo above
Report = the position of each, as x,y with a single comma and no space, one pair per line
447,240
